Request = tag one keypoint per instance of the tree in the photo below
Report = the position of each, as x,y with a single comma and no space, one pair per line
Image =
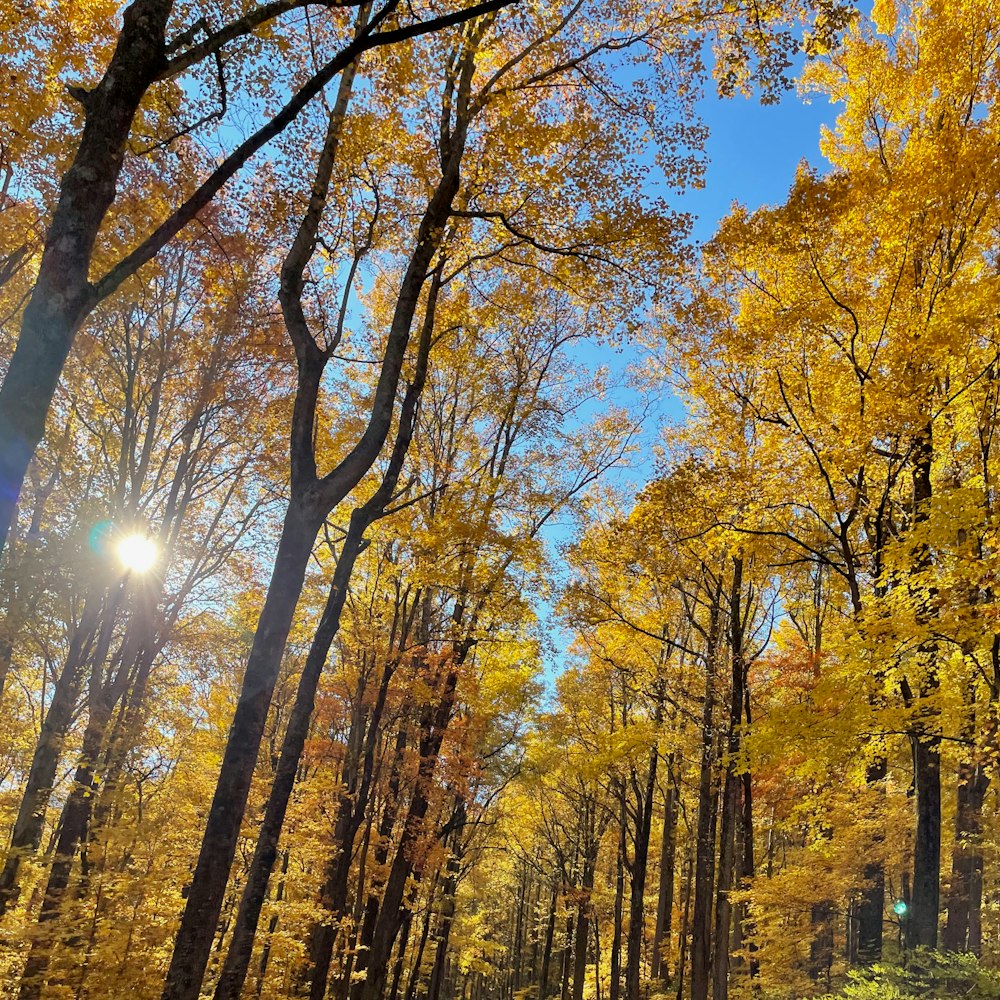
63,295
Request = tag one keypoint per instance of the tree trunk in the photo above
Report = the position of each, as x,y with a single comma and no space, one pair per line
272,926
550,929
640,865
922,925
596,924
390,915
230,985
518,945
582,932
821,945
27,832
963,929
851,933
665,898
354,798
748,867
6,655
322,935
74,824
685,917
62,295
312,501
533,930
923,917
447,911
731,791
616,938
237,962
872,902
567,960
107,689
723,908
193,943
418,958
701,923
404,938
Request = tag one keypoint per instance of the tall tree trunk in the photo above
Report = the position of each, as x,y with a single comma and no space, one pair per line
534,899
62,295
123,736
73,827
416,967
272,926
322,935
550,928
618,918
27,832
517,950
193,943
851,933
446,913
108,688
685,919
963,929
360,761
596,924
731,790
747,867
665,897
6,656
389,919
404,938
582,930
821,945
237,962
923,916
723,908
871,905
640,862
704,882
567,961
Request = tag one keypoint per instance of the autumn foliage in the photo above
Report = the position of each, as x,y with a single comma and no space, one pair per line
342,654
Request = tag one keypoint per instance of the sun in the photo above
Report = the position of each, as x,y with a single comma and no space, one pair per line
137,553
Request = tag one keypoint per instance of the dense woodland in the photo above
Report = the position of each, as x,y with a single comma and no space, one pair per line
342,655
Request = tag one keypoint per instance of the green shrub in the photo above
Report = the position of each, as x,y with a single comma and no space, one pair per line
924,974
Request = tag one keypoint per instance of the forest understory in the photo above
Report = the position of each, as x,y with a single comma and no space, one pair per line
429,573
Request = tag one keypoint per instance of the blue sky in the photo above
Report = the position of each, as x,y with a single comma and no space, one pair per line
753,151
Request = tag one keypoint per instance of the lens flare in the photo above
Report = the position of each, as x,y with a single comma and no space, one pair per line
100,537
137,553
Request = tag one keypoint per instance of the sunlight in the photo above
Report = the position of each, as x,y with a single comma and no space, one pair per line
137,553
